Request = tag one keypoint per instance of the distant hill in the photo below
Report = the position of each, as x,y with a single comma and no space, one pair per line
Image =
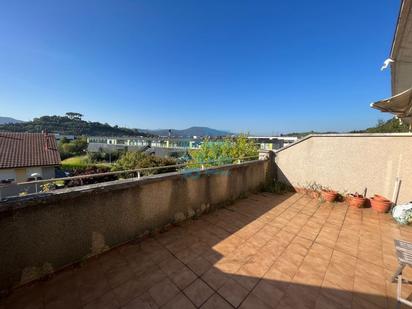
303,134
390,126
192,131
4,120
70,126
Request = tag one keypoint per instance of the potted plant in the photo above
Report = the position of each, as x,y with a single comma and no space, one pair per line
315,190
329,195
356,200
380,197
380,203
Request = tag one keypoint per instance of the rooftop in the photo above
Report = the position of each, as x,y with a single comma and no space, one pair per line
265,251
28,149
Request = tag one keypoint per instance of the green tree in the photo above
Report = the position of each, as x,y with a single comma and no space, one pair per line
391,126
224,151
74,116
134,160
73,148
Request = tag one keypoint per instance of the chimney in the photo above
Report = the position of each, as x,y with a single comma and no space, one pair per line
46,142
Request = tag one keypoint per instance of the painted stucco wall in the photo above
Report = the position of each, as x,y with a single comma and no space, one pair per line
22,174
350,162
43,234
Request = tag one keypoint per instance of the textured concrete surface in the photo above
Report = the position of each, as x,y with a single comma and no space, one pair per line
266,251
44,234
350,163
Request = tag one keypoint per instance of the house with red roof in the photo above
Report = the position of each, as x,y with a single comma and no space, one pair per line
23,155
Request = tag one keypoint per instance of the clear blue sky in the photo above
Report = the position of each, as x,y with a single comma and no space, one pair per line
257,66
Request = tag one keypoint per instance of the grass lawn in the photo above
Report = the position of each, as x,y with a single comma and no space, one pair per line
78,160
81,161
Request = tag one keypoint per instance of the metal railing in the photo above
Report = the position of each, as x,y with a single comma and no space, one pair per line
125,174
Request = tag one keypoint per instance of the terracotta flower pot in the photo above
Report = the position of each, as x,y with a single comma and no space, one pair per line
315,194
380,197
357,201
329,196
380,205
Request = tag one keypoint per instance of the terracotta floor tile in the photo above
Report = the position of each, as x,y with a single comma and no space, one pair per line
254,302
327,303
269,293
129,290
186,255
183,278
148,300
198,292
286,267
107,301
199,265
91,289
214,278
228,265
142,265
336,295
55,289
138,303
246,279
180,301
163,292
119,274
359,302
256,267
233,292
216,302
308,277
320,251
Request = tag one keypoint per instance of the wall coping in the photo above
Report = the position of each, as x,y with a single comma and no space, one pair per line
16,203
406,134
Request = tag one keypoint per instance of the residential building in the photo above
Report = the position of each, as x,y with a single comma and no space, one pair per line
25,154
273,142
101,143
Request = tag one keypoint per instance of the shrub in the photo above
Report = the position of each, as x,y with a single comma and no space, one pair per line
226,151
135,160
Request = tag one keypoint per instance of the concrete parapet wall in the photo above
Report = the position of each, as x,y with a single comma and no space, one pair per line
350,162
39,235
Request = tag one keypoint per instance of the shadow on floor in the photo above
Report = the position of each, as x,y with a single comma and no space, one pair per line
266,251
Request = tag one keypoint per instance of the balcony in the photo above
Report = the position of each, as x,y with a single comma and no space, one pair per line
265,251
213,239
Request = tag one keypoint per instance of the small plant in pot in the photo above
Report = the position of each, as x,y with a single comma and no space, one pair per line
329,195
380,203
356,200
313,190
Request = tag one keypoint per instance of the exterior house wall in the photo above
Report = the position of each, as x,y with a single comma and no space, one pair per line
48,172
21,175
7,174
45,233
350,162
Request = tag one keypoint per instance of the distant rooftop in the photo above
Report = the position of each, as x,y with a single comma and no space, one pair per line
28,149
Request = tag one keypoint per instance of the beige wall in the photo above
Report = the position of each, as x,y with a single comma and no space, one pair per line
23,173
350,162
45,233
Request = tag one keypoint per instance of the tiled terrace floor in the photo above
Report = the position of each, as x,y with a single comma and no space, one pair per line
266,251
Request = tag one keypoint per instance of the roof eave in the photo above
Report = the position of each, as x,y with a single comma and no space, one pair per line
403,15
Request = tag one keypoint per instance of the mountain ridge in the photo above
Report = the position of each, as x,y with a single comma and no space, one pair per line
189,132
5,120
